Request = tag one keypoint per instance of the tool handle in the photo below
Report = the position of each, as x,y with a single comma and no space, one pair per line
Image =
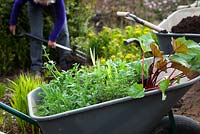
36,37
45,41
76,52
63,47
119,13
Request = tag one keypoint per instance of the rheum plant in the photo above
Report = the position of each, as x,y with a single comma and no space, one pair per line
167,70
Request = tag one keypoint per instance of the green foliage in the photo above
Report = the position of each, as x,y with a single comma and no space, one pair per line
6,56
21,86
80,87
2,92
14,52
163,70
2,89
1,118
6,121
136,91
187,53
145,41
109,43
79,12
163,86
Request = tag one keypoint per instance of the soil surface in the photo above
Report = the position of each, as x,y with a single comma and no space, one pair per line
188,25
189,105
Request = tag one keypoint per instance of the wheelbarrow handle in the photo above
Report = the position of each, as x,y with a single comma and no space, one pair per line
131,40
133,17
123,14
18,114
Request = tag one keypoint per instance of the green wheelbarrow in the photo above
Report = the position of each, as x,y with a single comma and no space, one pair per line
120,116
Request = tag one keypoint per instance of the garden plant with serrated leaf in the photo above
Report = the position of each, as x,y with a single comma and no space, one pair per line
185,57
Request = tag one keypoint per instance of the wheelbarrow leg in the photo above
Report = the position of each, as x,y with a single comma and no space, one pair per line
172,122
18,114
177,124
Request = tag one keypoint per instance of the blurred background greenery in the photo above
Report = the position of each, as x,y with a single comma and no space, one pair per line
85,18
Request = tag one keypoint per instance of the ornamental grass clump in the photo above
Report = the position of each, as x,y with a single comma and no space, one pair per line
20,88
2,90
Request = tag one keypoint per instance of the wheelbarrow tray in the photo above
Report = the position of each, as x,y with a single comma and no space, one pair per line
120,116
164,39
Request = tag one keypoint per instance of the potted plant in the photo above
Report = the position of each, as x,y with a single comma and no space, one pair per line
116,98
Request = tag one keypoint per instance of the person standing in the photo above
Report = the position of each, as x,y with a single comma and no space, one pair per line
58,34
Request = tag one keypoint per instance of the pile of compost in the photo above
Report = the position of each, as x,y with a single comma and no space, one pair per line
188,25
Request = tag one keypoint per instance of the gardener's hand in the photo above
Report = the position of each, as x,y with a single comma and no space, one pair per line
52,44
12,29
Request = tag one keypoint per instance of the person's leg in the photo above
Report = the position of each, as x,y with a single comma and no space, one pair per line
64,40
36,25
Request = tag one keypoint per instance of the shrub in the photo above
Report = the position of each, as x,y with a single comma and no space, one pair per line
109,43
15,51
79,12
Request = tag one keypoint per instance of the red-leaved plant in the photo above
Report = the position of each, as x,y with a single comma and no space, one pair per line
167,70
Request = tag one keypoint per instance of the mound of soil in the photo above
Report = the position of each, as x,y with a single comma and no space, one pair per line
189,105
188,25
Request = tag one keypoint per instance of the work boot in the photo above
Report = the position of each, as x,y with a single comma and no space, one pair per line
66,68
37,74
